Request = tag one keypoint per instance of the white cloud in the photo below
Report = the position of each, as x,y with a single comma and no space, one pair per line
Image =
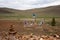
28,4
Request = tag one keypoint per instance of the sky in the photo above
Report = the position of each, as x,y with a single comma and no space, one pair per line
28,4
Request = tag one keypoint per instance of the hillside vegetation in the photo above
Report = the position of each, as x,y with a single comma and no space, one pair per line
53,11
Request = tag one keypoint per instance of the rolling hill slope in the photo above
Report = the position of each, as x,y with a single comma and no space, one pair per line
53,11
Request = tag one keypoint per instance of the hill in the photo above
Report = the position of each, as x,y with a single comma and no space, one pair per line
52,11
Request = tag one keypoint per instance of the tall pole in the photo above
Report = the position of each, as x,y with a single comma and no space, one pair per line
34,17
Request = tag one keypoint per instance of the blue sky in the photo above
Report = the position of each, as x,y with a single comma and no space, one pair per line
28,4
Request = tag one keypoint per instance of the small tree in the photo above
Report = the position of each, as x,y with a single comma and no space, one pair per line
53,23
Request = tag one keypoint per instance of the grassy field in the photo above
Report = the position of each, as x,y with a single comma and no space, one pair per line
23,16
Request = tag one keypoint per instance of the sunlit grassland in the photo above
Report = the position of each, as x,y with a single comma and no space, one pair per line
25,15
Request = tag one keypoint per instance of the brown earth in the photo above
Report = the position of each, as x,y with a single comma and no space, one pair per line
18,25
5,24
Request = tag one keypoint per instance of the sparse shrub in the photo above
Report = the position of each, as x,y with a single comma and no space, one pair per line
53,23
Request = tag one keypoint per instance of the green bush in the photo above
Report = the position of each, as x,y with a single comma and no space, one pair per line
53,23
